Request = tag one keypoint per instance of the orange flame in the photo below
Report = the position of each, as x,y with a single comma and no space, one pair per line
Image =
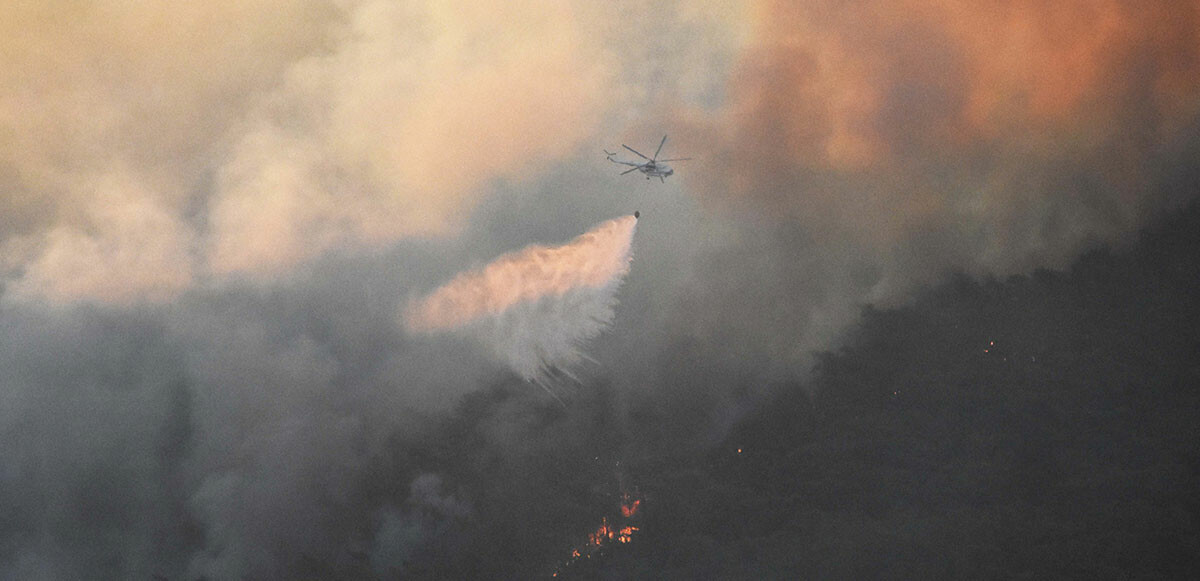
626,534
606,534
628,509
592,260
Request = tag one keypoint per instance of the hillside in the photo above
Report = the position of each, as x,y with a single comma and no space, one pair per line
1043,426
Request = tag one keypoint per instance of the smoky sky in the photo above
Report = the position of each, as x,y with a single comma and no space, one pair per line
211,218
989,138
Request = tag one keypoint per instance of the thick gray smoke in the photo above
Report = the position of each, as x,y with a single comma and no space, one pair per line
232,434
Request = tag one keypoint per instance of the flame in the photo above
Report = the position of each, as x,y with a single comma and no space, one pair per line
603,535
628,509
593,260
626,534
606,534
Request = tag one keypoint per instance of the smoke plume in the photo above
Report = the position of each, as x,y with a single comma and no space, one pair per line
533,308
928,135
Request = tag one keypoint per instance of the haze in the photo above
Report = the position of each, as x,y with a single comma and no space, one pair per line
211,216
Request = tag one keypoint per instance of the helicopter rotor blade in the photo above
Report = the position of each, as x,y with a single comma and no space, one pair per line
637,152
660,146
631,169
676,159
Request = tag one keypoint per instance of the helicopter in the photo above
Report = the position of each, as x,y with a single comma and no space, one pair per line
652,167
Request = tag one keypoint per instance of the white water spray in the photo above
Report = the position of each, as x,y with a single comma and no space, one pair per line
535,308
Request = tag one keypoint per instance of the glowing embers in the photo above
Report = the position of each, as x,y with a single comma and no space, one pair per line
628,509
606,534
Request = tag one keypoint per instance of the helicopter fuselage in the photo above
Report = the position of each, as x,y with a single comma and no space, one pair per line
656,170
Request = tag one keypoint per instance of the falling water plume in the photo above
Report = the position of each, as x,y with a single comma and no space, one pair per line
535,308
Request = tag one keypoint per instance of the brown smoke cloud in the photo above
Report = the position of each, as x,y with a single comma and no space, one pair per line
1003,134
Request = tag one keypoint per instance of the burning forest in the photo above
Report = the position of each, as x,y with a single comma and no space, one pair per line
620,532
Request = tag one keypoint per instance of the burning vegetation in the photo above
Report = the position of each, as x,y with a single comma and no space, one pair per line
606,534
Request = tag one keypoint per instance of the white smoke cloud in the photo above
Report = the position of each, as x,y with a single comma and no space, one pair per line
394,132
114,115
134,248
252,139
